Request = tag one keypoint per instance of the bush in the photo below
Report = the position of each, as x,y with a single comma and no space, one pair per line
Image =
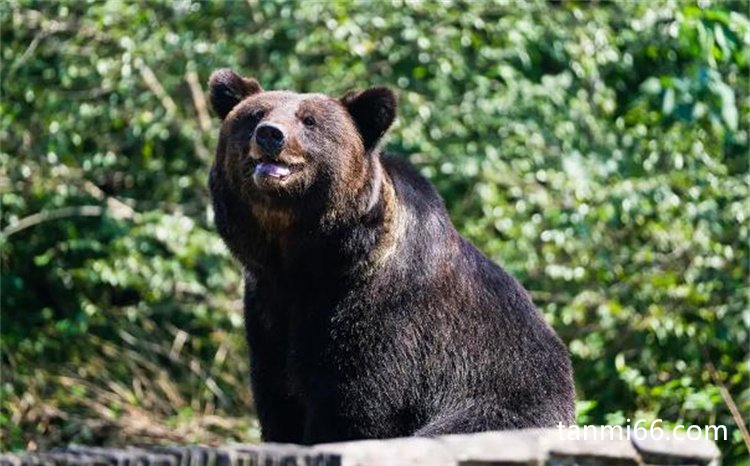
599,152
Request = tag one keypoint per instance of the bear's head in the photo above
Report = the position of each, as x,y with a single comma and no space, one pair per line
283,149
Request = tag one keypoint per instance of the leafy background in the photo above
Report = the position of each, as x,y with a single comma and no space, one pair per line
597,151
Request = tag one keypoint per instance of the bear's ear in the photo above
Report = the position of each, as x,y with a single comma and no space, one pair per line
373,111
227,89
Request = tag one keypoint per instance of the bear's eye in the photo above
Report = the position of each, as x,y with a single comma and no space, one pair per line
256,116
308,121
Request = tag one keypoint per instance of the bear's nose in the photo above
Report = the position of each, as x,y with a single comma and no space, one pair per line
270,138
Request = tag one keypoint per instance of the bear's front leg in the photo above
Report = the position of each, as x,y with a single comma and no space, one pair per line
282,418
324,423
278,406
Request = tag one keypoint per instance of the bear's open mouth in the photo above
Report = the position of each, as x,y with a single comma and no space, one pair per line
267,174
273,169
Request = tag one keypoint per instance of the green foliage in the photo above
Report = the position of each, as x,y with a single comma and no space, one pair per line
599,152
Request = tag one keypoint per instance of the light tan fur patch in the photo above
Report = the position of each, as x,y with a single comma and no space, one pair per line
394,223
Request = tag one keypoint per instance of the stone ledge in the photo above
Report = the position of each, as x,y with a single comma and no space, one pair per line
533,447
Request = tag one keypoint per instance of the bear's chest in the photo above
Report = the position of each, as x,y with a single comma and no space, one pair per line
318,342
299,331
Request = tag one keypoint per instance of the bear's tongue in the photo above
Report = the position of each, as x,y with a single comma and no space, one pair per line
275,170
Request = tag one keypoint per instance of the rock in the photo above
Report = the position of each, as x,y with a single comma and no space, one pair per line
670,450
551,447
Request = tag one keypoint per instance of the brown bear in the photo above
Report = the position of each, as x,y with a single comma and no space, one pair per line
367,315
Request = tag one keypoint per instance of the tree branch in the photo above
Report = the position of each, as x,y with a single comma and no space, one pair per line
729,401
48,215
199,100
152,82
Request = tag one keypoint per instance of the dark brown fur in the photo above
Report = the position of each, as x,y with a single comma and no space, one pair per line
367,315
